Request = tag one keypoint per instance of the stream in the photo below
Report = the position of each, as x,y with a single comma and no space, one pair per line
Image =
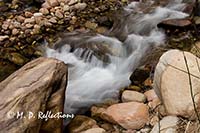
100,65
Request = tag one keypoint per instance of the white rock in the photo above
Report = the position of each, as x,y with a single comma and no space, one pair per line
133,96
171,83
38,14
95,130
167,125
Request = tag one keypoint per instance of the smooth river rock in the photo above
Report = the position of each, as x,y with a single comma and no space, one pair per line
131,115
172,84
39,86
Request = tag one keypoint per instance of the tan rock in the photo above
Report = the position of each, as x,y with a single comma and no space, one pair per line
29,20
196,49
95,130
15,31
53,3
53,20
91,25
28,14
131,115
172,84
38,86
2,38
151,95
81,123
20,19
80,6
166,125
59,14
44,11
133,96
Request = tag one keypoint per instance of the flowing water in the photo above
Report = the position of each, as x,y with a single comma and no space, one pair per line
100,65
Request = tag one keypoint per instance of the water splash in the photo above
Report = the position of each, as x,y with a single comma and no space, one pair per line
90,80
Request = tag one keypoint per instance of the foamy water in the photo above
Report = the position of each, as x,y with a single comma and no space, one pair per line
90,80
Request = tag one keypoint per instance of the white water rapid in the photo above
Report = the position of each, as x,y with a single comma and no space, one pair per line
90,80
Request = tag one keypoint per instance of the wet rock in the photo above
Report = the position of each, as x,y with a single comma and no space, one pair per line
172,83
133,96
167,125
81,123
91,25
6,68
95,130
37,86
131,115
139,76
2,38
175,23
196,49
134,88
17,59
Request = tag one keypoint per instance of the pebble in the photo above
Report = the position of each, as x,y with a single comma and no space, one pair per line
20,19
66,8
59,14
53,3
29,20
29,26
28,14
133,96
72,2
38,14
2,38
151,95
80,6
15,31
44,11
53,20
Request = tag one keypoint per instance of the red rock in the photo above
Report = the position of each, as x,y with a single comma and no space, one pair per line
131,115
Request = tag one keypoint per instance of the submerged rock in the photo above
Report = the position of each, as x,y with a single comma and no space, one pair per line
175,87
37,87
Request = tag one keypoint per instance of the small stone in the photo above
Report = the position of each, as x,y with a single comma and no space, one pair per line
95,130
2,38
80,6
28,14
29,26
59,14
91,25
38,14
36,29
17,58
166,125
81,123
131,115
44,11
46,5
154,120
20,19
66,8
72,2
53,20
53,3
5,25
195,49
134,88
148,82
151,95
73,21
29,20
15,31
133,96
154,104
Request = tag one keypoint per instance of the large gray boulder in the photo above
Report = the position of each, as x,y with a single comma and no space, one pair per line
38,87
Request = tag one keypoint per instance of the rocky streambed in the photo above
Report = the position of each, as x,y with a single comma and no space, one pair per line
148,89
